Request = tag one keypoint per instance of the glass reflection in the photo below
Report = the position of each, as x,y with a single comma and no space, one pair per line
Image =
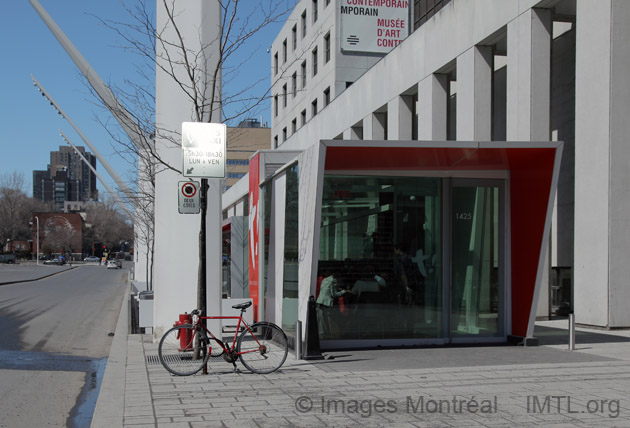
379,272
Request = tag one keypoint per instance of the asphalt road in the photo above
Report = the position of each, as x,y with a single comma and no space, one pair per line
54,345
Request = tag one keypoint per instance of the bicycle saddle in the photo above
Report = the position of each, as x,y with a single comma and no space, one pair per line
243,305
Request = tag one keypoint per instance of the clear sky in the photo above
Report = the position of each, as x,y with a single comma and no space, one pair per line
29,126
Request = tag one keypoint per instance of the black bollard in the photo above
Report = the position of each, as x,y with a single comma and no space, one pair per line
312,351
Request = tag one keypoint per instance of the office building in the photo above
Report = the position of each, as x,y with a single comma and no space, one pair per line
67,178
483,159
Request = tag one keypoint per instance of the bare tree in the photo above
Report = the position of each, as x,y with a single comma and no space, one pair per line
106,224
16,208
140,35
241,23
59,235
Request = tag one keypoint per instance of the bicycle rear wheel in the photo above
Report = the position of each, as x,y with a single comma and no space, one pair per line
264,349
183,351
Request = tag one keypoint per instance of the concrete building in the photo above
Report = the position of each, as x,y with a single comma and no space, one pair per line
67,178
519,83
308,69
59,233
242,142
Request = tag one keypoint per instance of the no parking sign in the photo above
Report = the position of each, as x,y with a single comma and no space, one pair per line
188,195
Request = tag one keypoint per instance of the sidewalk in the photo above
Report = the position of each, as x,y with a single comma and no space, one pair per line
490,386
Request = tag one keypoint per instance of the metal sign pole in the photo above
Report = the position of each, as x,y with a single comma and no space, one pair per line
201,285
571,332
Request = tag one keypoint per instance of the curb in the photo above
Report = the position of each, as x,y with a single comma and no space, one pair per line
110,405
38,278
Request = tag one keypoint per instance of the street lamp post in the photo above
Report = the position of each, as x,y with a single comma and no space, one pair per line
37,220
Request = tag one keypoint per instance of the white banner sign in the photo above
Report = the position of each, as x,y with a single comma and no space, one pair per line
203,147
374,26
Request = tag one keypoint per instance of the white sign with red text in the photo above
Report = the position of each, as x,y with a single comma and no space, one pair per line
373,26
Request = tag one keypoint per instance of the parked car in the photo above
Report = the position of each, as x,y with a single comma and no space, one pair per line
55,261
92,259
114,264
7,258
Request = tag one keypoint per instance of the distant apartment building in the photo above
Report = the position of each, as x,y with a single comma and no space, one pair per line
242,142
67,178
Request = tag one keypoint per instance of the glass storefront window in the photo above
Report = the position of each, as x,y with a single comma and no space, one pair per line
476,292
290,282
226,252
265,212
380,257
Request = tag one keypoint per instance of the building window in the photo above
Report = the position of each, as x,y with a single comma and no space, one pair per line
326,96
284,95
314,10
275,63
284,134
293,126
423,10
315,61
275,107
314,108
275,142
303,117
294,82
236,174
294,38
327,48
237,162
284,51
303,24
303,67
326,3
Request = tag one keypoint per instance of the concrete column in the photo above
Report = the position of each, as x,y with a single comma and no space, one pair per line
374,127
474,94
353,133
177,235
529,76
602,177
368,127
432,104
399,116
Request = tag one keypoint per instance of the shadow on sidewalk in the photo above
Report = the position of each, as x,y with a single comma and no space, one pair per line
560,336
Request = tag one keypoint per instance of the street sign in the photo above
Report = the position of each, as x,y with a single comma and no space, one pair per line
203,148
188,195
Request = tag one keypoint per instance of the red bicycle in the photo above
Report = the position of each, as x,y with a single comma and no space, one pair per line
185,349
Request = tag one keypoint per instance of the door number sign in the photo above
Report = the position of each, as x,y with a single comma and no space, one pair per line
188,195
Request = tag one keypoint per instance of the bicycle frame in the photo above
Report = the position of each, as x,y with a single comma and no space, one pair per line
240,319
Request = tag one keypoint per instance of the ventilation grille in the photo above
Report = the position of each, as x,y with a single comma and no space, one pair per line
153,360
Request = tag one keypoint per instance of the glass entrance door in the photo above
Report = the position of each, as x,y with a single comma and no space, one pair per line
477,259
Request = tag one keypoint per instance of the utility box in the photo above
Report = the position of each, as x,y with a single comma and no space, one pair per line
145,310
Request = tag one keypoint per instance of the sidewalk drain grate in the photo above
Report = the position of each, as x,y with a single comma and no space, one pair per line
153,360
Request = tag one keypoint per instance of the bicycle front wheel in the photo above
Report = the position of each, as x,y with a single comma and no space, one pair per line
264,349
183,351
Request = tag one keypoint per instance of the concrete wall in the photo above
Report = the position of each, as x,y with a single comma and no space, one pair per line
602,179
457,27
176,235
619,226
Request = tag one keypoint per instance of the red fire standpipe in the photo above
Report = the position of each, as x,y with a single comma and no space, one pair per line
185,336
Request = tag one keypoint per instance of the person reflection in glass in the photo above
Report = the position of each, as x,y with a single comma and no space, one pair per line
327,309
407,275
